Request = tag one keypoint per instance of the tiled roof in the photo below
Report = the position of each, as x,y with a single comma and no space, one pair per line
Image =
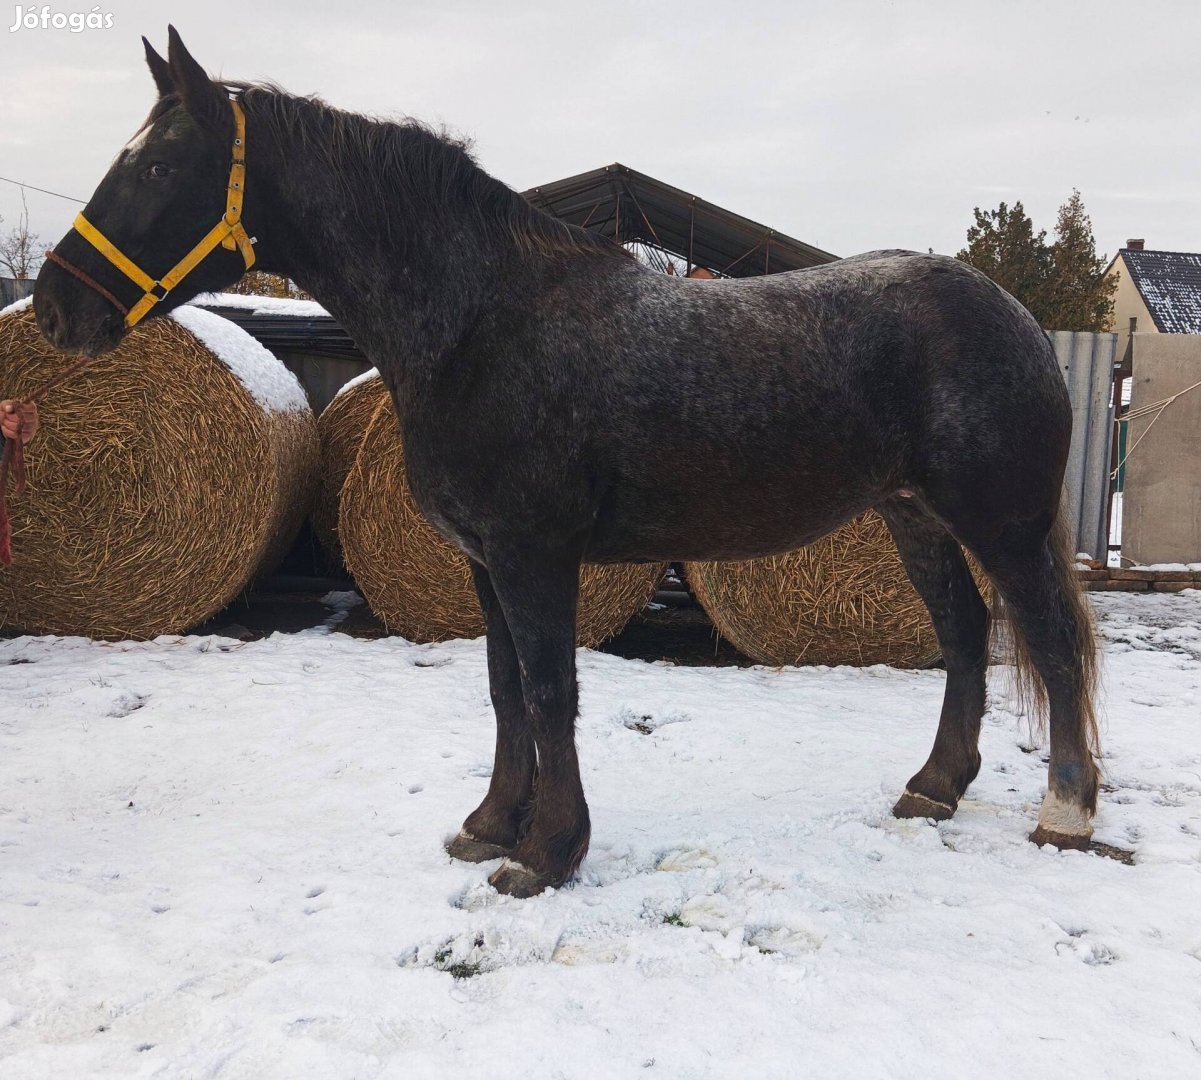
1170,285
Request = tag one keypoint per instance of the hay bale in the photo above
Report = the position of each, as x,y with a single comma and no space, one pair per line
341,427
418,584
164,475
844,599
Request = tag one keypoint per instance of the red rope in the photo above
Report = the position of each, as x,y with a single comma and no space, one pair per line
13,461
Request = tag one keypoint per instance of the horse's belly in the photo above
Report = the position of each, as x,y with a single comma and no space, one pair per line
719,525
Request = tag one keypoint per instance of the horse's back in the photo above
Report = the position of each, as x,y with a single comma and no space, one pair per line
735,418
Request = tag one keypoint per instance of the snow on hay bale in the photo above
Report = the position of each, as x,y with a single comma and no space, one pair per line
842,600
165,474
341,427
418,584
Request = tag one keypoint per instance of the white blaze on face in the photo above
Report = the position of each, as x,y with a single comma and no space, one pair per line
138,141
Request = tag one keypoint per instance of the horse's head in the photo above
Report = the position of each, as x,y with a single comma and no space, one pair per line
169,187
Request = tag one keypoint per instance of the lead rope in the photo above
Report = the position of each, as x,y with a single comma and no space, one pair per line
13,460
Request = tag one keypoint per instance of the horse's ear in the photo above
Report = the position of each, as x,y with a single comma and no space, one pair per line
160,69
205,101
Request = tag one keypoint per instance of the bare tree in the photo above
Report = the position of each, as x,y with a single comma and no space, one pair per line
21,250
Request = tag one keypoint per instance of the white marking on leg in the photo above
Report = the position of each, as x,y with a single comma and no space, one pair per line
1064,818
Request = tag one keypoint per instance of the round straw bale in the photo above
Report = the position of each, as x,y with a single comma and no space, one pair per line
844,599
341,427
164,475
418,584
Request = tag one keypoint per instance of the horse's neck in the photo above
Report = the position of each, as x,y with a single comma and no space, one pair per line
408,291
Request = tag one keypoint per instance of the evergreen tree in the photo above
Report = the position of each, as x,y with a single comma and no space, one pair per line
1080,294
1004,245
1062,283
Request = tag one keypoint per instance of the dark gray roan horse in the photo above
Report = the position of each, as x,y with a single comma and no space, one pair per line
546,384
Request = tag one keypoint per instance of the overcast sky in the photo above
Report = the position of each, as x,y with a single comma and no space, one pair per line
849,125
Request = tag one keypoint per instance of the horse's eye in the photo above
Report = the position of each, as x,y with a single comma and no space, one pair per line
158,171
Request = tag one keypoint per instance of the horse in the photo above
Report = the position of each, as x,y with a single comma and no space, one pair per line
546,383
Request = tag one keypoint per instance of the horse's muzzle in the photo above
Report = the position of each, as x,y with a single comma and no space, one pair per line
71,318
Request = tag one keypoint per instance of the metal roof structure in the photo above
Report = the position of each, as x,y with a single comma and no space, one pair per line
1170,284
632,208
281,331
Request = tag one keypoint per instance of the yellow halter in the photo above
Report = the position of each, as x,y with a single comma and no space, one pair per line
229,232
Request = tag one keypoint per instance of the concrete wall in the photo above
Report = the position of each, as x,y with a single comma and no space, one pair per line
1161,516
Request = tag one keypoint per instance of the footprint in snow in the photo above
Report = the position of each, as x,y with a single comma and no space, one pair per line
125,704
432,661
690,859
648,723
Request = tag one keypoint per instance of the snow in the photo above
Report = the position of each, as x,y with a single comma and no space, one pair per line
224,859
271,384
262,305
366,376
268,381
17,305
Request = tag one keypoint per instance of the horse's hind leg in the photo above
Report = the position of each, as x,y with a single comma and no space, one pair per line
494,827
940,574
1032,568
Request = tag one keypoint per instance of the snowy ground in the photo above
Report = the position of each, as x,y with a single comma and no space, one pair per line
224,860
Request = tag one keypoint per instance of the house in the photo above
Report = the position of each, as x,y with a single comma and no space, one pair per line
1159,292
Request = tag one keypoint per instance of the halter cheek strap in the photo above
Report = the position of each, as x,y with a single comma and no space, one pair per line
229,233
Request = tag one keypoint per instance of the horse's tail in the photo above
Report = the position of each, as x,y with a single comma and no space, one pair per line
1071,607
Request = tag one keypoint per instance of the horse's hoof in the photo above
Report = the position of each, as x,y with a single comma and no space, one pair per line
1063,841
513,879
914,805
469,849
1063,824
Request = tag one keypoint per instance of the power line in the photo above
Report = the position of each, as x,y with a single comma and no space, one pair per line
44,191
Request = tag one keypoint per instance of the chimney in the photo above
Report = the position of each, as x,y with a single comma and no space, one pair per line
1134,245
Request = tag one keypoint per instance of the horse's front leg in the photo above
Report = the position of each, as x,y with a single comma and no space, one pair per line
537,592
493,828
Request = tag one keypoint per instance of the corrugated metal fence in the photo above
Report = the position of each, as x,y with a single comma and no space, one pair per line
14,289
1087,361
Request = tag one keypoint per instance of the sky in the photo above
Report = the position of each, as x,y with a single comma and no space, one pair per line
851,126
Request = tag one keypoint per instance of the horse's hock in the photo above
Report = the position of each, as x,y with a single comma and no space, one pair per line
418,584
165,475
842,600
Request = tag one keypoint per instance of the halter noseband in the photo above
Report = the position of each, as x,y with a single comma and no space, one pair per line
229,232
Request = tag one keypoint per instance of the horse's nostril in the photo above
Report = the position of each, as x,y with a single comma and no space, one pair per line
49,319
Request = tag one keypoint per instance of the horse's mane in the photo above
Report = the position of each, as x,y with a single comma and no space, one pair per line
408,163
